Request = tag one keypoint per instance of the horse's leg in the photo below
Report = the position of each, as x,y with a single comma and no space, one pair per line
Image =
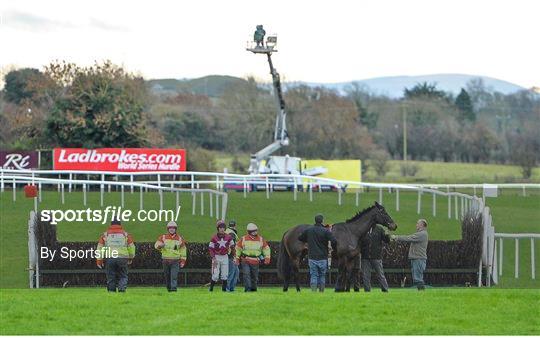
296,278
340,276
348,274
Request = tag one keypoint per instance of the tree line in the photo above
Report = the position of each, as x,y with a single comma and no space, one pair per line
105,106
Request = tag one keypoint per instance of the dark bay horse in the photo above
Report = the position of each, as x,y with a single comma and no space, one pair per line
348,234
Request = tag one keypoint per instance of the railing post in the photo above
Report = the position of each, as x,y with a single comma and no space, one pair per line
357,197
84,193
217,206
245,188
500,255
380,196
1,181
131,180
211,207
266,186
456,206
193,204
70,179
101,188
516,270
523,187
141,202
434,204
397,199
295,190
14,190
122,195
449,206
202,201
533,274
339,195
419,203
62,194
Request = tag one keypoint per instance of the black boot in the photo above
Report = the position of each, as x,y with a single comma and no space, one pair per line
224,286
212,283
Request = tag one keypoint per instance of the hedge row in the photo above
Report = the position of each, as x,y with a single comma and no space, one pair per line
462,254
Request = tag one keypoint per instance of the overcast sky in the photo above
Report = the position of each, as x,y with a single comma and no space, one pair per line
319,41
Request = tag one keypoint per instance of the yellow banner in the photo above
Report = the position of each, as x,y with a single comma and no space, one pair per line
349,170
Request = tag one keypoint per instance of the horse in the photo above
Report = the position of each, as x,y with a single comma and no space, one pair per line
348,234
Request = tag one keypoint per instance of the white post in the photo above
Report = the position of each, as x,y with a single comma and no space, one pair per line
456,206
202,203
516,271
193,206
380,196
131,180
419,203
245,188
523,187
59,177
2,181
474,190
449,206
434,205
84,194
500,255
217,206
211,204
266,187
294,189
311,191
141,198
40,195
122,195
14,190
177,199
69,185
397,199
533,275
224,206
102,187
62,193
339,195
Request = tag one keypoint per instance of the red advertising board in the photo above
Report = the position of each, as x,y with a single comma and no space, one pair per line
119,159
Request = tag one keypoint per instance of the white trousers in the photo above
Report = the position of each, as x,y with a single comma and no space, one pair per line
220,267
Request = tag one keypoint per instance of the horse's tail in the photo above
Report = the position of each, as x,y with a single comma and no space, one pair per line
284,261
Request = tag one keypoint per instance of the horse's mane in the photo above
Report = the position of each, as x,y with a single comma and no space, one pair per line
359,214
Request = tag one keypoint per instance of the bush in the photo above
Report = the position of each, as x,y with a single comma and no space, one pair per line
409,169
379,161
199,159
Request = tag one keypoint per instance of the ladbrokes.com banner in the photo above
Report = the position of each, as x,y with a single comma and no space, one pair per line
120,159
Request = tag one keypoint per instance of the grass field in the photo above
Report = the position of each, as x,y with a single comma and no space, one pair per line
429,172
194,311
511,213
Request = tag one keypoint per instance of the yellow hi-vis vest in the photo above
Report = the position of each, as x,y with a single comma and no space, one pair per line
175,247
249,249
116,239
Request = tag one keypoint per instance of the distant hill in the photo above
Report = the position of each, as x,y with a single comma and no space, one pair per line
212,85
392,86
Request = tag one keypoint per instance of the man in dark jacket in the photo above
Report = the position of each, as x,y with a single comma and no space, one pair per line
371,250
317,238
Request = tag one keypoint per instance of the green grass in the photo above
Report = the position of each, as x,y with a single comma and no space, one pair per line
429,172
511,213
194,311
454,172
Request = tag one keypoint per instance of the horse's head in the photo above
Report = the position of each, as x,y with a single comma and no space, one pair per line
382,217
